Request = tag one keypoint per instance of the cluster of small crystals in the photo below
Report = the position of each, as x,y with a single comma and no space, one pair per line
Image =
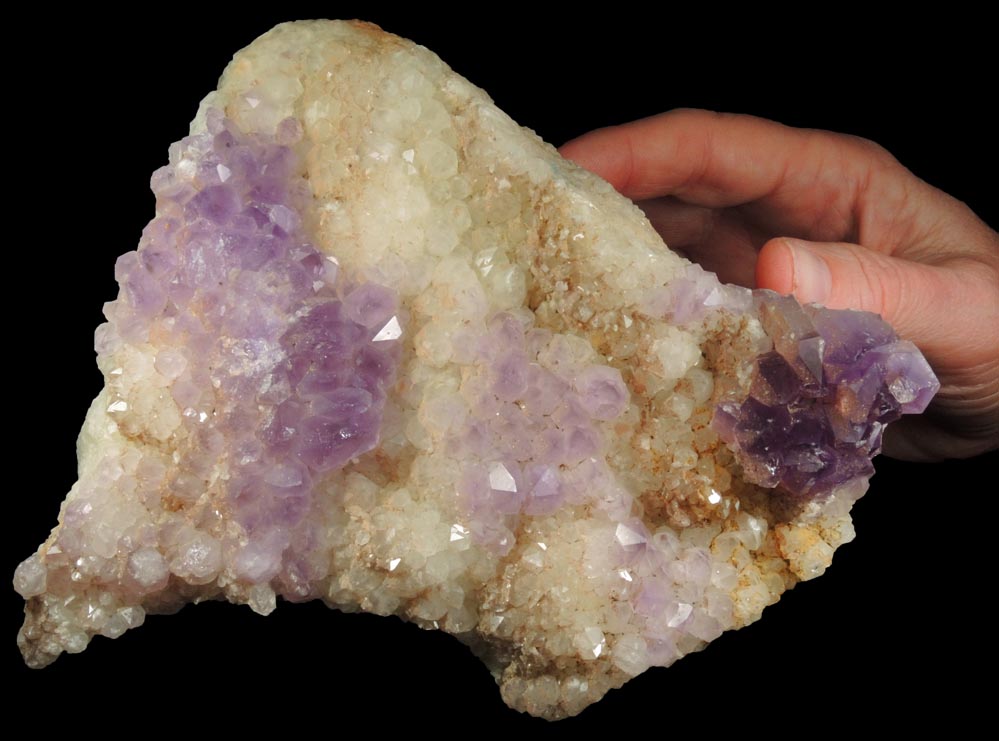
240,377
820,400
542,480
527,425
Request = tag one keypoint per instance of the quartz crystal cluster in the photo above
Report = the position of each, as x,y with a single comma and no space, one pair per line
383,348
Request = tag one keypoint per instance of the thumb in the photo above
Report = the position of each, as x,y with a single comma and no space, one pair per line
949,309
908,295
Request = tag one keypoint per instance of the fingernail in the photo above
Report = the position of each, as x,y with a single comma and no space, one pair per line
812,279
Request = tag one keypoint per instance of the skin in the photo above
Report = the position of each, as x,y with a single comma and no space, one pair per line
832,219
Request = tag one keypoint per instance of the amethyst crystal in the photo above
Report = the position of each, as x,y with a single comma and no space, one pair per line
820,400
279,368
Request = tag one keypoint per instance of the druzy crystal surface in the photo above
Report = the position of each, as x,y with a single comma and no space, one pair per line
383,348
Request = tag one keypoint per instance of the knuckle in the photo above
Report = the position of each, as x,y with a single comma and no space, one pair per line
885,291
868,148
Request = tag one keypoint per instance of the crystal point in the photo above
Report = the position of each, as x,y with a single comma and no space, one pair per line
383,348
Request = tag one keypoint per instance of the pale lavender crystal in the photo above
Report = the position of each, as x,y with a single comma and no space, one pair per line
602,391
532,439
695,293
271,357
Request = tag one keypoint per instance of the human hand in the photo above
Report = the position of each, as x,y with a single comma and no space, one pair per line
835,220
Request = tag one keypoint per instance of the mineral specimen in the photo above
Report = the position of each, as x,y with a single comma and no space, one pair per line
383,348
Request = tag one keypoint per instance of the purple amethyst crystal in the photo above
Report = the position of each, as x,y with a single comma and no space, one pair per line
280,369
820,400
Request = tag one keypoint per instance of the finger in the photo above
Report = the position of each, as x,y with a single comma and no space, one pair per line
949,311
716,240
937,436
717,159
679,224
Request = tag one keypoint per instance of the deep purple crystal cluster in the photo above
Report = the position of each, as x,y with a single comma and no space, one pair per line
278,365
821,398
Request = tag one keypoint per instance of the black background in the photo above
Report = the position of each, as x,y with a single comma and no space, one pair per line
892,633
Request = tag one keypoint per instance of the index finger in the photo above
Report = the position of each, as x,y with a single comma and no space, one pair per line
717,159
